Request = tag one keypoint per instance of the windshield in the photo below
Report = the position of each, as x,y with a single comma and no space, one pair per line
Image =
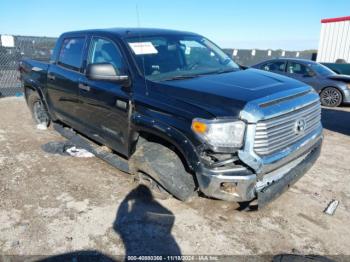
322,70
171,57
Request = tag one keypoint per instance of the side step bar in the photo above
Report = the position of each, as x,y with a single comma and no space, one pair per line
80,141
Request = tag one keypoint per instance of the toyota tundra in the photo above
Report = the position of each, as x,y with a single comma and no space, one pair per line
181,114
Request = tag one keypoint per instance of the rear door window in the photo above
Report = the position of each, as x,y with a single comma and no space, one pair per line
297,68
72,52
276,66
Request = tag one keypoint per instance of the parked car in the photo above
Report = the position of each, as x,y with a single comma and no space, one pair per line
334,89
180,111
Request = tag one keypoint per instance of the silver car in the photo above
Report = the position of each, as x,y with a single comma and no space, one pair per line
333,89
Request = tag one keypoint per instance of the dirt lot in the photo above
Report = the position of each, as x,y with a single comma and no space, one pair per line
52,204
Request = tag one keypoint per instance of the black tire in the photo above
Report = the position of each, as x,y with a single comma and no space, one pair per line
38,109
164,169
331,97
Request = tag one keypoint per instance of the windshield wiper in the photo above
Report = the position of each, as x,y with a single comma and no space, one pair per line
222,71
179,77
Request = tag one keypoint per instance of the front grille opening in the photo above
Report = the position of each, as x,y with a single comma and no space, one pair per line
278,133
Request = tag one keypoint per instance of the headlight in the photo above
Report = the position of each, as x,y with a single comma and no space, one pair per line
223,135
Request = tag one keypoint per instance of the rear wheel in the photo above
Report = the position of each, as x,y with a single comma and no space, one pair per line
331,97
38,109
162,170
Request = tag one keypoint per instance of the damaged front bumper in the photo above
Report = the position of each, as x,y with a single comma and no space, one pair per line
269,164
241,184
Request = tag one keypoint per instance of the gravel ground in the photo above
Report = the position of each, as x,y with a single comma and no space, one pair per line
53,204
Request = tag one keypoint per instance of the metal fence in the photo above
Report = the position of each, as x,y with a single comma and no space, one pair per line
249,57
15,48
12,50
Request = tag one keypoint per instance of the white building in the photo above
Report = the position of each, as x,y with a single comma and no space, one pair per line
334,40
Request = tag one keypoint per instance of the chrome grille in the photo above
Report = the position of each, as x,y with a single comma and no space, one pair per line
277,133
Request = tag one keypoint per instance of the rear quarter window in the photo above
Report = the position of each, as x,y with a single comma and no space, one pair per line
71,52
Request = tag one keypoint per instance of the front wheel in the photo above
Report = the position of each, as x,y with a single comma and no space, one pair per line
331,97
163,171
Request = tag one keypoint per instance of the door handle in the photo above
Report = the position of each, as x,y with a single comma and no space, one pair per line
121,104
84,87
51,77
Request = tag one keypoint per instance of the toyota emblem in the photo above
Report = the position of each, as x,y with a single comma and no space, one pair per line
300,126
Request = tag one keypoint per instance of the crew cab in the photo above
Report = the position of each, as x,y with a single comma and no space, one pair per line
183,115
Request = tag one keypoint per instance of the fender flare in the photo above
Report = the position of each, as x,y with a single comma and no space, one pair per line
145,124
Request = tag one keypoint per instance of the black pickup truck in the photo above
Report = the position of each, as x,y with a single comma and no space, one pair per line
179,111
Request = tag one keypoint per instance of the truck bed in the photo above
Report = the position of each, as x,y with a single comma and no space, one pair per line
33,72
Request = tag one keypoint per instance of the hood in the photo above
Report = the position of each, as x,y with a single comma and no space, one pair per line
226,94
344,78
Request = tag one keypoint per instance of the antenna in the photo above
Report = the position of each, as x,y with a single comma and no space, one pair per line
142,58
138,15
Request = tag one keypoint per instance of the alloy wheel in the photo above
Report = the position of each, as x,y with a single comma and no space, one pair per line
331,97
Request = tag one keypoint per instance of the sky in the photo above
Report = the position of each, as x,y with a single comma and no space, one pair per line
264,24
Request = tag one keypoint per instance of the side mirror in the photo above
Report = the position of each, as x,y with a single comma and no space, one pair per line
105,71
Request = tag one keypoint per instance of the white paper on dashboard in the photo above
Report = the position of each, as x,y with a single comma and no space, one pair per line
143,48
